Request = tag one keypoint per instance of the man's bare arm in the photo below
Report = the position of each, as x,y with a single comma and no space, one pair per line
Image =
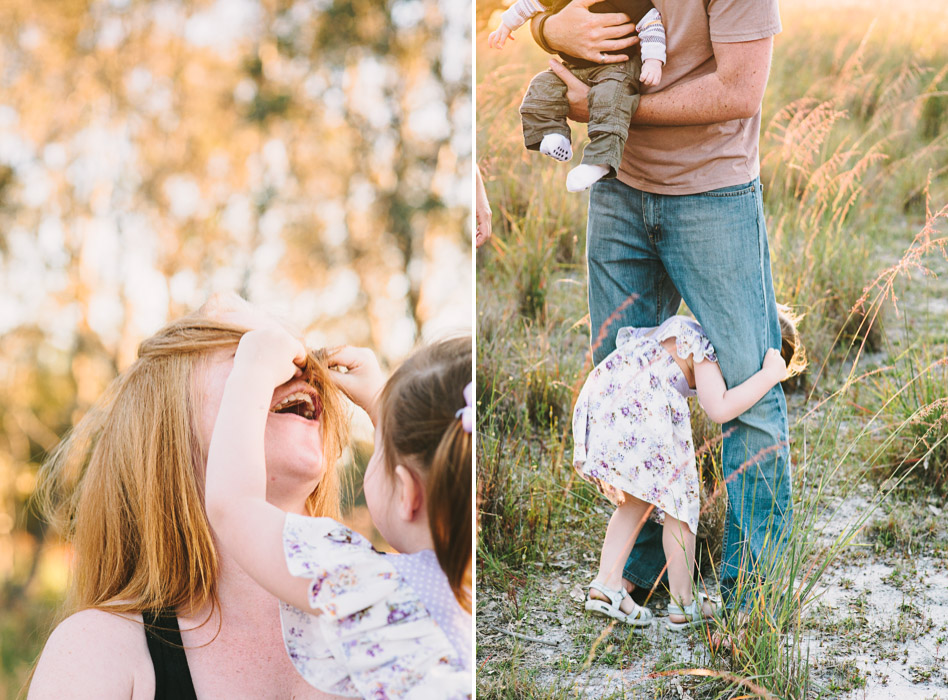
734,90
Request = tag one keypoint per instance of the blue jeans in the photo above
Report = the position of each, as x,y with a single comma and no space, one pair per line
710,249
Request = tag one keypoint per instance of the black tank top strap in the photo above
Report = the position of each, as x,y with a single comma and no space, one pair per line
172,675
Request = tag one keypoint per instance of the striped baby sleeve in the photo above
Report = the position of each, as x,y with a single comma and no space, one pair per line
520,12
652,35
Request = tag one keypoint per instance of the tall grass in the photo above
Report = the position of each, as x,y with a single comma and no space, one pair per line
853,151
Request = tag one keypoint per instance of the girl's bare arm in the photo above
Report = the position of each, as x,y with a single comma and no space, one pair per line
723,404
249,528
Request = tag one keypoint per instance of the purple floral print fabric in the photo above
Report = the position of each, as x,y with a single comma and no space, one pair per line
632,424
368,634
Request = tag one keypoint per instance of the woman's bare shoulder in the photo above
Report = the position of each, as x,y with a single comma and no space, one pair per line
95,654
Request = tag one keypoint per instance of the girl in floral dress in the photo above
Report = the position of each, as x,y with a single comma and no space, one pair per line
357,622
632,438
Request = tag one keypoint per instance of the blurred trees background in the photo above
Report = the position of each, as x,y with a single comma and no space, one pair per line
311,155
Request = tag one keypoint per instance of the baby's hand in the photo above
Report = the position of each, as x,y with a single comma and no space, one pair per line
273,354
775,365
651,74
497,38
363,379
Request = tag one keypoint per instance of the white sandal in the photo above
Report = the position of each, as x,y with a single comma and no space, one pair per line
638,617
693,613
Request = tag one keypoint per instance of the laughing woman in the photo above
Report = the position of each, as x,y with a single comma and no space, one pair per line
157,610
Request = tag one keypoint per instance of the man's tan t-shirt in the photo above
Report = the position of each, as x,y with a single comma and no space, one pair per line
691,159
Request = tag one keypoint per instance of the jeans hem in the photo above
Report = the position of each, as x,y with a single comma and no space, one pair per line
639,581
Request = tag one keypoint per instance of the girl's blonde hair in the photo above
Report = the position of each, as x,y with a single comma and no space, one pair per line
420,429
126,486
791,345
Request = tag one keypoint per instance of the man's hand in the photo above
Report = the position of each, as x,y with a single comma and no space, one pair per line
576,31
577,92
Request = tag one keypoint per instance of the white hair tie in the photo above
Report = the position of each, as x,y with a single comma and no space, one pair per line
466,414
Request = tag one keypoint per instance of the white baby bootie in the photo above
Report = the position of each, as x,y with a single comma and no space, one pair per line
556,146
583,176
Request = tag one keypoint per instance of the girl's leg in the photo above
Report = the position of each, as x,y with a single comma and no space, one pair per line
628,286
624,527
679,544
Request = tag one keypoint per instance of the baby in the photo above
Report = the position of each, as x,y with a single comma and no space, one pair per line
613,94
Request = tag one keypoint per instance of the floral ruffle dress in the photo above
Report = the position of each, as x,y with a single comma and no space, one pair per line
388,625
632,425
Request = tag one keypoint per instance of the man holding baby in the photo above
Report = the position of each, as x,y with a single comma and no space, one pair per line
684,220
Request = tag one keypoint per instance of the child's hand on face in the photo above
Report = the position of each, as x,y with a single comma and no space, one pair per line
497,38
272,353
775,365
651,74
362,380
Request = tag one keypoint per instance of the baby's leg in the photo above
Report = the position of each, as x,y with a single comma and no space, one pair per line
679,544
613,99
543,113
623,529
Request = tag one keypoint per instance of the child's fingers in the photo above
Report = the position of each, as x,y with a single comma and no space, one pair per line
773,359
499,37
344,356
350,384
342,381
358,389
273,350
346,381
301,353
362,379
351,358
280,337
294,345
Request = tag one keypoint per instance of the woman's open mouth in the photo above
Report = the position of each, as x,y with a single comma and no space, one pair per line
299,403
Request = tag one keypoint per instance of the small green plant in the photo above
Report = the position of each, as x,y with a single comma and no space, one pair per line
846,677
